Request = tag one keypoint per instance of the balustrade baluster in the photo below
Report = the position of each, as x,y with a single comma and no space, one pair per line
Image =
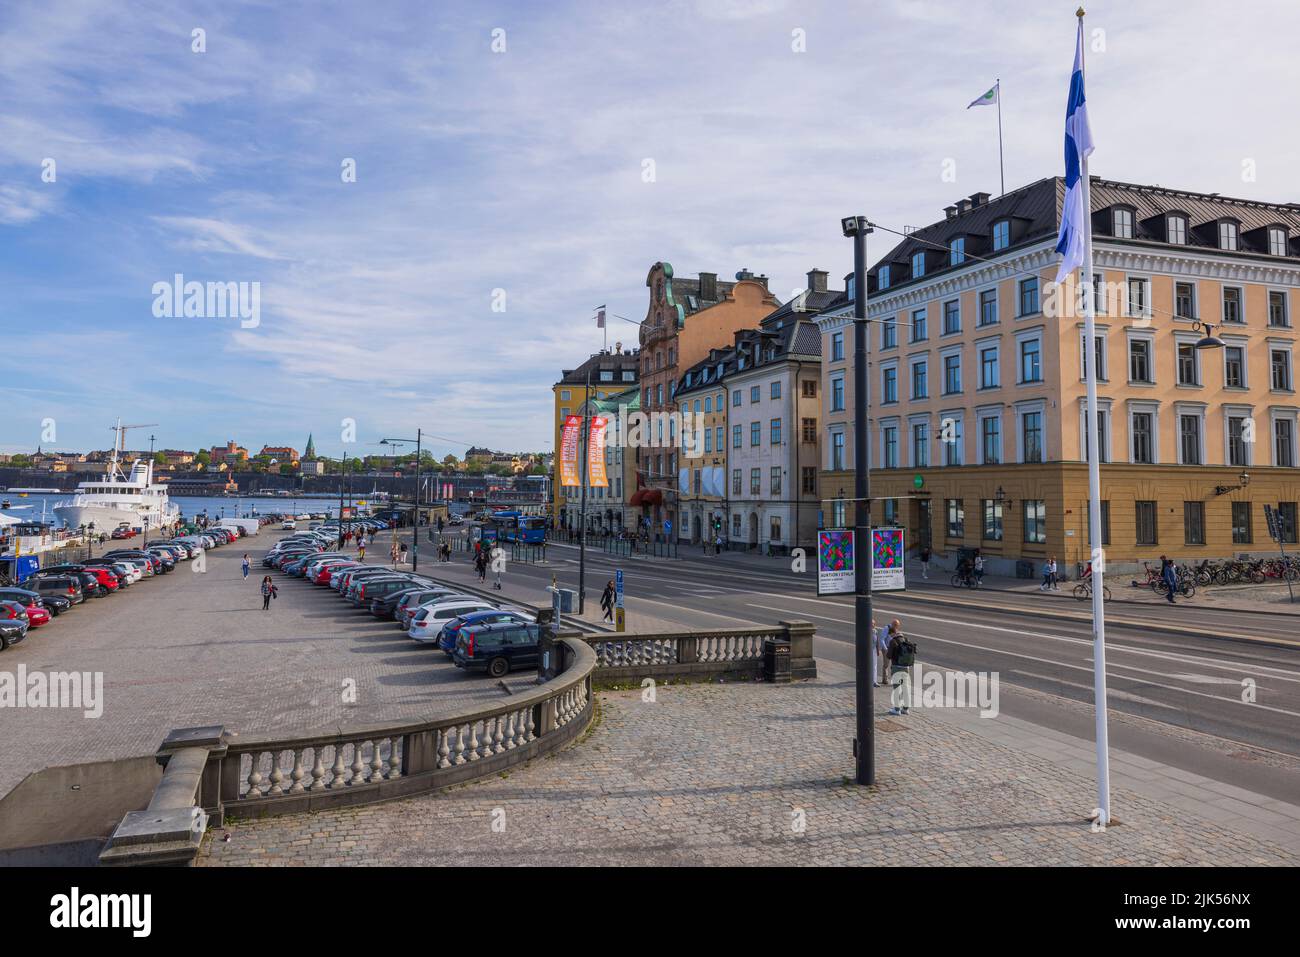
443,751
376,762
254,776
339,769
297,774
394,758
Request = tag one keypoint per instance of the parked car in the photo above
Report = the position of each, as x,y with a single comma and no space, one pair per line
407,607
55,604
498,649
67,586
428,621
123,532
13,624
451,631
288,525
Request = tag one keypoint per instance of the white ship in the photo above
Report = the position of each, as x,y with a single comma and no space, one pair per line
117,499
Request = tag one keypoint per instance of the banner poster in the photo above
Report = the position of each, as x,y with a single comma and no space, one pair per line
596,453
887,554
569,450
835,561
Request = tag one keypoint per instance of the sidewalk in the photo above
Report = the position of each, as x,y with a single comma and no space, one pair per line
754,774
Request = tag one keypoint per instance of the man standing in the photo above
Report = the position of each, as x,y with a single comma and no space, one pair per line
1170,577
925,561
902,655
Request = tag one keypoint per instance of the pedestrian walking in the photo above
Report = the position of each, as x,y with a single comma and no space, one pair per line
902,655
1169,575
361,551
245,565
1049,569
979,569
1051,566
401,555
480,565
268,592
925,561
607,600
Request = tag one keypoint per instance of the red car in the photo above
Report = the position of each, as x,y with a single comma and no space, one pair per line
106,577
123,533
37,616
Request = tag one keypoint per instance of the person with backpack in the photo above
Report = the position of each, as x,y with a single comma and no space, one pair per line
979,569
902,655
1169,575
925,561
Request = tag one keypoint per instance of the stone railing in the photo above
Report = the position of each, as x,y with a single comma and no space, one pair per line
266,775
726,652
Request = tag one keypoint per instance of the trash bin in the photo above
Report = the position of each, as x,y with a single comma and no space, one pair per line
776,660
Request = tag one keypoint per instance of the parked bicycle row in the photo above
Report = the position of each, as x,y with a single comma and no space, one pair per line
477,634
52,591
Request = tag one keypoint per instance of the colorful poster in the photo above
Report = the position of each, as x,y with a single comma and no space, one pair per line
887,555
596,453
835,561
569,450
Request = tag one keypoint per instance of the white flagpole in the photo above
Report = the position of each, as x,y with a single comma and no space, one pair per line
1001,171
1094,500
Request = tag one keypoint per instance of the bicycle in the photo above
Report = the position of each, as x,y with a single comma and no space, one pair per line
957,581
1083,590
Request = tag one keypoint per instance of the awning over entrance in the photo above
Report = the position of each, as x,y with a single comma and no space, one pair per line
644,497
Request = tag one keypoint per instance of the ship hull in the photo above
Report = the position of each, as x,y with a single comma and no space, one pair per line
105,517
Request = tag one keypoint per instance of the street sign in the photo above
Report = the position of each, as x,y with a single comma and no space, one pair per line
835,561
918,482
887,557
620,619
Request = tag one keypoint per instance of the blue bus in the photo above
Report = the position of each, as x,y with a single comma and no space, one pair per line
513,526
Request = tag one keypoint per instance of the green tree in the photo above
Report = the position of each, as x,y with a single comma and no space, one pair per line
203,459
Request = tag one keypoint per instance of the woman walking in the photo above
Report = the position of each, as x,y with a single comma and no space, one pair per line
245,565
607,600
268,592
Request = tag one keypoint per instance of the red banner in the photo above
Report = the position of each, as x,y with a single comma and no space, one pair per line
596,453
569,450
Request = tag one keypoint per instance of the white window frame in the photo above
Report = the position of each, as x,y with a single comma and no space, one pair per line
1131,226
1130,278
912,363
890,364
1183,224
1103,408
1293,416
1241,304
958,418
944,354
1196,409
1028,335
985,412
1149,337
1023,409
1242,343
893,422
1237,412
1148,407
1282,345
912,422
1101,333
994,342
1274,232
1198,371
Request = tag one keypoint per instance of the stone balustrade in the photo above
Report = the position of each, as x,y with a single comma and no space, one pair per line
723,652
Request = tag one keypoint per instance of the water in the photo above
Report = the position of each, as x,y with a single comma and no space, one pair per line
28,509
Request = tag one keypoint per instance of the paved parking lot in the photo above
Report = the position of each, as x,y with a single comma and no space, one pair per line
193,649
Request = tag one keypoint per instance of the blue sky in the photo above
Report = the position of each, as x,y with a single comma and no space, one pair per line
522,171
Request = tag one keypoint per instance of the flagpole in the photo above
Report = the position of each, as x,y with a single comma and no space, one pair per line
1001,172
1094,493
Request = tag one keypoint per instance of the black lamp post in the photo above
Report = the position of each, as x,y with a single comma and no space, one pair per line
864,745
415,531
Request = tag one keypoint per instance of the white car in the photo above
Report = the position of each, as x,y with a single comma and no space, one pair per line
288,525
428,621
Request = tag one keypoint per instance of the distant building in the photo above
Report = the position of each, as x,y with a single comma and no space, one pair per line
230,455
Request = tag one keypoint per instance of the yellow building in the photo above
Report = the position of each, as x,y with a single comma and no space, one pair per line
607,372
976,391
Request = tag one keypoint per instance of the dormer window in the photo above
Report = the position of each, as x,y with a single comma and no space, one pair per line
1176,229
882,277
957,251
848,288
918,265
1122,223
1276,241
1002,234
1228,238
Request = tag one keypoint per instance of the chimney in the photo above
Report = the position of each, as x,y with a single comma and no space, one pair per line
816,280
962,206
709,286
950,212
744,274
978,199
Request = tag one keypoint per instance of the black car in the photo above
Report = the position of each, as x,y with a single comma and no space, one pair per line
66,586
12,630
385,606
54,603
379,587
498,649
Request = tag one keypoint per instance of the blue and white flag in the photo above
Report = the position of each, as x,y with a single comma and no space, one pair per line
1078,145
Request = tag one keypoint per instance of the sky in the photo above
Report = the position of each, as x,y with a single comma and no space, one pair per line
517,165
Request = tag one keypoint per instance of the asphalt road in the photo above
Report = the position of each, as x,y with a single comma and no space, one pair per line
1178,697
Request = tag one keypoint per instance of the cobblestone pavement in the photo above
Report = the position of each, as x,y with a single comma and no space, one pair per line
192,649
751,774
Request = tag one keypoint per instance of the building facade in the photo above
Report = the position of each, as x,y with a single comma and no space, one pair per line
976,381
608,372
684,320
702,476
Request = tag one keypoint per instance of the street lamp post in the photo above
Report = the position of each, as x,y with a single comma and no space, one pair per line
415,530
864,745
582,508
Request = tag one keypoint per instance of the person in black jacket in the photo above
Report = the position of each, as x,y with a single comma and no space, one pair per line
607,600
900,670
